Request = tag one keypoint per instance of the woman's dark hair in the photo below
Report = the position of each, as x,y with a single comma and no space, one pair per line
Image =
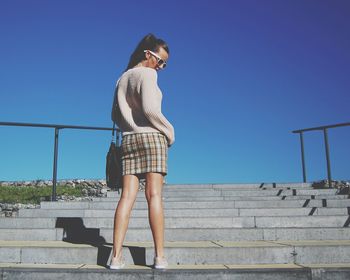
149,42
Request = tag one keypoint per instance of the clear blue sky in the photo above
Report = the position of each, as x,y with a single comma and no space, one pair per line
242,75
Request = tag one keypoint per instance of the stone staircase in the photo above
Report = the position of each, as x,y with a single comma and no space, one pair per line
227,231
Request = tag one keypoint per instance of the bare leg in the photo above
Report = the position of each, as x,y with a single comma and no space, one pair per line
153,191
122,213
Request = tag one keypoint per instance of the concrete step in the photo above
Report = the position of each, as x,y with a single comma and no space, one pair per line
257,252
50,252
336,203
237,234
181,193
337,271
231,198
39,234
190,222
262,186
248,192
252,186
279,192
26,223
230,222
218,212
198,222
308,221
181,234
201,252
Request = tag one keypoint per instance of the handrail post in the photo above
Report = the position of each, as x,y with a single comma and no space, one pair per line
328,158
302,156
54,179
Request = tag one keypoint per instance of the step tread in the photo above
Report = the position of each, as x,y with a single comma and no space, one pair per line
188,212
43,244
171,266
200,252
183,244
305,203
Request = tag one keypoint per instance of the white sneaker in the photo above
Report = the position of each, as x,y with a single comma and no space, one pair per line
117,264
160,263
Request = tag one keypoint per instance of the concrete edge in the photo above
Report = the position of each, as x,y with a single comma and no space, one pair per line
271,273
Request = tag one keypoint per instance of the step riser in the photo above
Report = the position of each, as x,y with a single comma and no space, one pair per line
222,255
48,255
279,192
253,234
177,222
236,222
199,255
237,234
194,193
201,204
31,234
52,213
258,186
228,188
315,254
231,198
198,222
256,255
23,223
241,186
317,221
193,274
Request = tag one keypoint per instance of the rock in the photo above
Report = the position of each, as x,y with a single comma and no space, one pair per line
8,207
340,185
102,182
92,192
85,192
40,184
103,191
8,213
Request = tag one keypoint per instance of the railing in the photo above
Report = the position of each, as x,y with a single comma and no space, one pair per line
57,128
325,133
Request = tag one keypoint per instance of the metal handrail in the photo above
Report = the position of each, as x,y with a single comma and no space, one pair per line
325,133
57,127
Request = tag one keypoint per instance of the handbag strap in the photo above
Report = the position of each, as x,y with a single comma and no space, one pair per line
117,132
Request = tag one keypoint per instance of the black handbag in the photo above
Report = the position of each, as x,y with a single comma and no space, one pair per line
114,163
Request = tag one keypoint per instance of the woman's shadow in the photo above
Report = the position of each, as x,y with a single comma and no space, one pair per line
74,231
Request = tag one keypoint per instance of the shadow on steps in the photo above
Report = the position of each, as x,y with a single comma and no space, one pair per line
74,231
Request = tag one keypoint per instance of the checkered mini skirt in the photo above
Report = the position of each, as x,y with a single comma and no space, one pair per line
144,152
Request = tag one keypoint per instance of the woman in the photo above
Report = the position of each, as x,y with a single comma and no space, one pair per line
147,134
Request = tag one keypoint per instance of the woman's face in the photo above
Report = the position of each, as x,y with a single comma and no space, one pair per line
157,60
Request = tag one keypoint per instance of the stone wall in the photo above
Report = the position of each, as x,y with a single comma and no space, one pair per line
91,188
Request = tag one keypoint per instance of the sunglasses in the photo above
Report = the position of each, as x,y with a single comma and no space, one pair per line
160,61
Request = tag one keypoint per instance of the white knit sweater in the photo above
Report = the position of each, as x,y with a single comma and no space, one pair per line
137,104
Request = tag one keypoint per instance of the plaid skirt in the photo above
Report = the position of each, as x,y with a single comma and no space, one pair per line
144,152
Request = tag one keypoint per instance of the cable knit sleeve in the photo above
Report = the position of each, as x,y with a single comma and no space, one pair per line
151,97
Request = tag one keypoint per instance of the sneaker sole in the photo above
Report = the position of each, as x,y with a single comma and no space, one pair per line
160,267
116,266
